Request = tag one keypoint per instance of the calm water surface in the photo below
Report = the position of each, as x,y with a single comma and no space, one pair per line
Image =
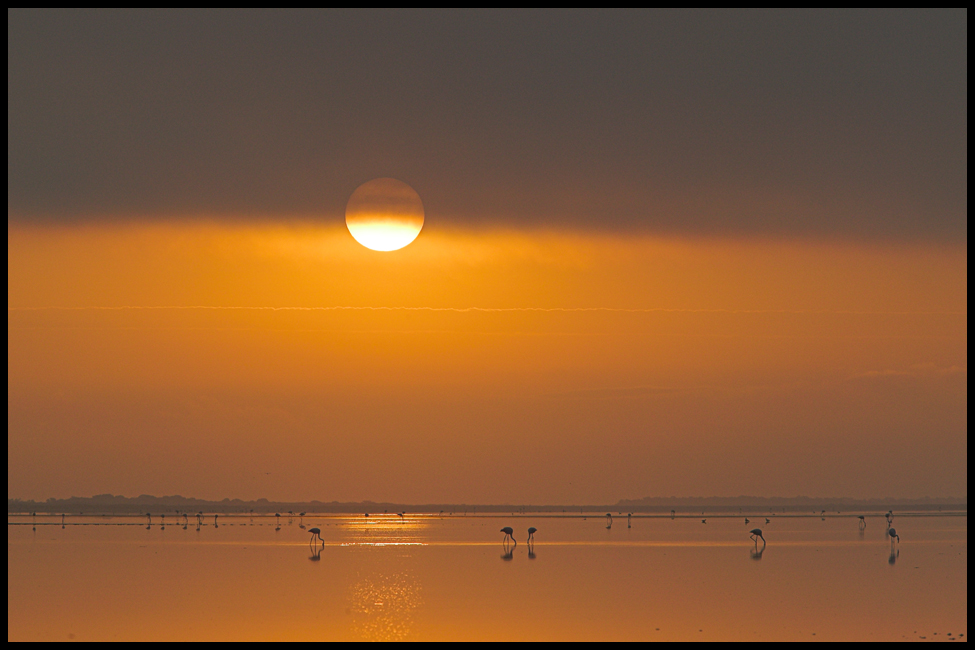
427,578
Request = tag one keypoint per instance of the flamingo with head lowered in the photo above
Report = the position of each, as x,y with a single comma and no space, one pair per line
509,533
755,534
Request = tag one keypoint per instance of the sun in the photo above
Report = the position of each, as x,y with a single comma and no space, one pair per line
384,214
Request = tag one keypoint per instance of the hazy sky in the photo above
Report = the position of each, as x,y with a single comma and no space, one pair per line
708,253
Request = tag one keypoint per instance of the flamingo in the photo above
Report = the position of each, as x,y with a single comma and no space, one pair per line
215,520
316,532
610,524
673,513
278,518
893,534
509,533
890,517
301,518
148,519
755,534
62,521
863,522
531,534
628,516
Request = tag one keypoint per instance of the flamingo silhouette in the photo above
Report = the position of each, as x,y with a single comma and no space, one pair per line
509,533
531,534
610,524
673,513
148,519
316,532
628,516
755,534
863,522
893,533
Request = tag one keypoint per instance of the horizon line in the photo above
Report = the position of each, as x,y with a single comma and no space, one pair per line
631,310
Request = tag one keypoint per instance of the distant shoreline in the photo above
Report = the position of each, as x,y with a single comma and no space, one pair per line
682,506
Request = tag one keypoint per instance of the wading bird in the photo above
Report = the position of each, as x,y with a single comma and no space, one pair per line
893,534
629,515
610,518
673,513
863,522
316,532
531,534
509,533
755,534
148,519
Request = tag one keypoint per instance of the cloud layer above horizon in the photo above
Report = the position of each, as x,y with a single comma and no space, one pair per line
836,125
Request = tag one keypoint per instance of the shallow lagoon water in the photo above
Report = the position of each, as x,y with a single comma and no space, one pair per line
432,578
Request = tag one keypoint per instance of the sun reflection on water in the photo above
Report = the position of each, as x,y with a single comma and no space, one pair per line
383,606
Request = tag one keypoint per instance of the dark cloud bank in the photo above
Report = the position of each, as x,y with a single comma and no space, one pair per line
849,124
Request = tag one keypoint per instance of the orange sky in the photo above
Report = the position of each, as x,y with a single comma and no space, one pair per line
711,366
